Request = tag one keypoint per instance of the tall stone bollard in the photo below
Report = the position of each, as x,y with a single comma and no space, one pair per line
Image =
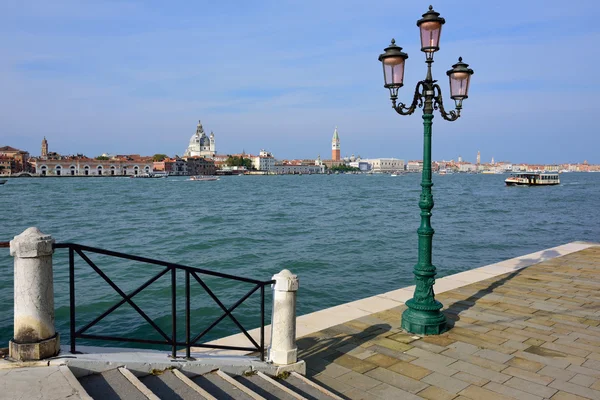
283,349
34,335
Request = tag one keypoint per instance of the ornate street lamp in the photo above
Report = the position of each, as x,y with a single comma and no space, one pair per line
423,315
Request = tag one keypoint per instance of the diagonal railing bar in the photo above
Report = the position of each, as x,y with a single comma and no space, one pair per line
214,297
120,303
229,310
116,288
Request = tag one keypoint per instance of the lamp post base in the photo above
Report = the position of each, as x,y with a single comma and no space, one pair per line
424,322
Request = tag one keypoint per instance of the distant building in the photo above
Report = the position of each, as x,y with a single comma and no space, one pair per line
173,166
264,161
383,165
362,165
414,166
335,146
479,158
13,161
284,169
53,164
200,144
467,167
200,166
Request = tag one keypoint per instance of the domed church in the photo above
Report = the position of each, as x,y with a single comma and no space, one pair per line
200,144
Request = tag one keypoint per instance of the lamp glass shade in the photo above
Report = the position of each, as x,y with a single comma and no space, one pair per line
459,85
393,71
460,77
393,60
430,36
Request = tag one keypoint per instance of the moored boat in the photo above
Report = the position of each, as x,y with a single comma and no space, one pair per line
532,179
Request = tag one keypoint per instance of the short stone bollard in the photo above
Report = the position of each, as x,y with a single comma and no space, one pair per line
283,349
35,337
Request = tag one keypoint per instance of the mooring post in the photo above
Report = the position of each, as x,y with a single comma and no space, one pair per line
283,349
35,337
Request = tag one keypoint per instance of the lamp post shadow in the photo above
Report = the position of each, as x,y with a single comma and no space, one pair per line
454,310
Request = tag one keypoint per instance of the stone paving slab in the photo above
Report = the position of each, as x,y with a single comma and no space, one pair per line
36,383
530,333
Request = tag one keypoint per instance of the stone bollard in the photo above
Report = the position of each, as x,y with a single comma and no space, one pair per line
283,349
34,335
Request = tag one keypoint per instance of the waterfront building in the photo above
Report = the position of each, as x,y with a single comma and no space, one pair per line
552,168
264,161
467,167
80,165
362,165
284,169
335,146
479,158
200,166
172,166
384,165
332,163
200,144
414,166
13,160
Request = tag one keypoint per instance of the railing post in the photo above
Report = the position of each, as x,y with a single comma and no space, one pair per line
35,337
283,349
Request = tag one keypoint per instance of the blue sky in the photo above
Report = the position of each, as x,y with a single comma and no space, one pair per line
135,76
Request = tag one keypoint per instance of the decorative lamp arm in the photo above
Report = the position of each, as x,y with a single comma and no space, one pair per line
417,101
439,105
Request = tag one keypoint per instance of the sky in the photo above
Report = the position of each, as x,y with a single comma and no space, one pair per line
134,77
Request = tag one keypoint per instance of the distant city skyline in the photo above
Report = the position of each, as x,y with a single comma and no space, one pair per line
134,77
45,149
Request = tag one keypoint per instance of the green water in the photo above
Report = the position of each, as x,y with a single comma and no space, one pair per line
346,236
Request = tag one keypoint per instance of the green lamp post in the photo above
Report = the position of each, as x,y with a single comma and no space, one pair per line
423,315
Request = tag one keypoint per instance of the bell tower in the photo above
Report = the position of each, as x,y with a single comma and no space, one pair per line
44,148
335,146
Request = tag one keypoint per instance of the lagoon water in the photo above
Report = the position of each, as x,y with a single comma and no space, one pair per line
346,236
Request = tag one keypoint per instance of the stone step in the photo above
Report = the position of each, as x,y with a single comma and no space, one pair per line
268,388
111,385
220,388
166,385
308,388
120,383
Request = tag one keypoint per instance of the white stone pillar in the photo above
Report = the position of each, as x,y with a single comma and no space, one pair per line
34,335
283,349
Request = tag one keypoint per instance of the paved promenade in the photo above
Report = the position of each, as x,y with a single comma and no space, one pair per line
533,333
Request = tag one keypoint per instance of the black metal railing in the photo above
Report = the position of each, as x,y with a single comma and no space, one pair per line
172,268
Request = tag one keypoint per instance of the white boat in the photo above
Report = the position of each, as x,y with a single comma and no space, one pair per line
532,179
203,178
